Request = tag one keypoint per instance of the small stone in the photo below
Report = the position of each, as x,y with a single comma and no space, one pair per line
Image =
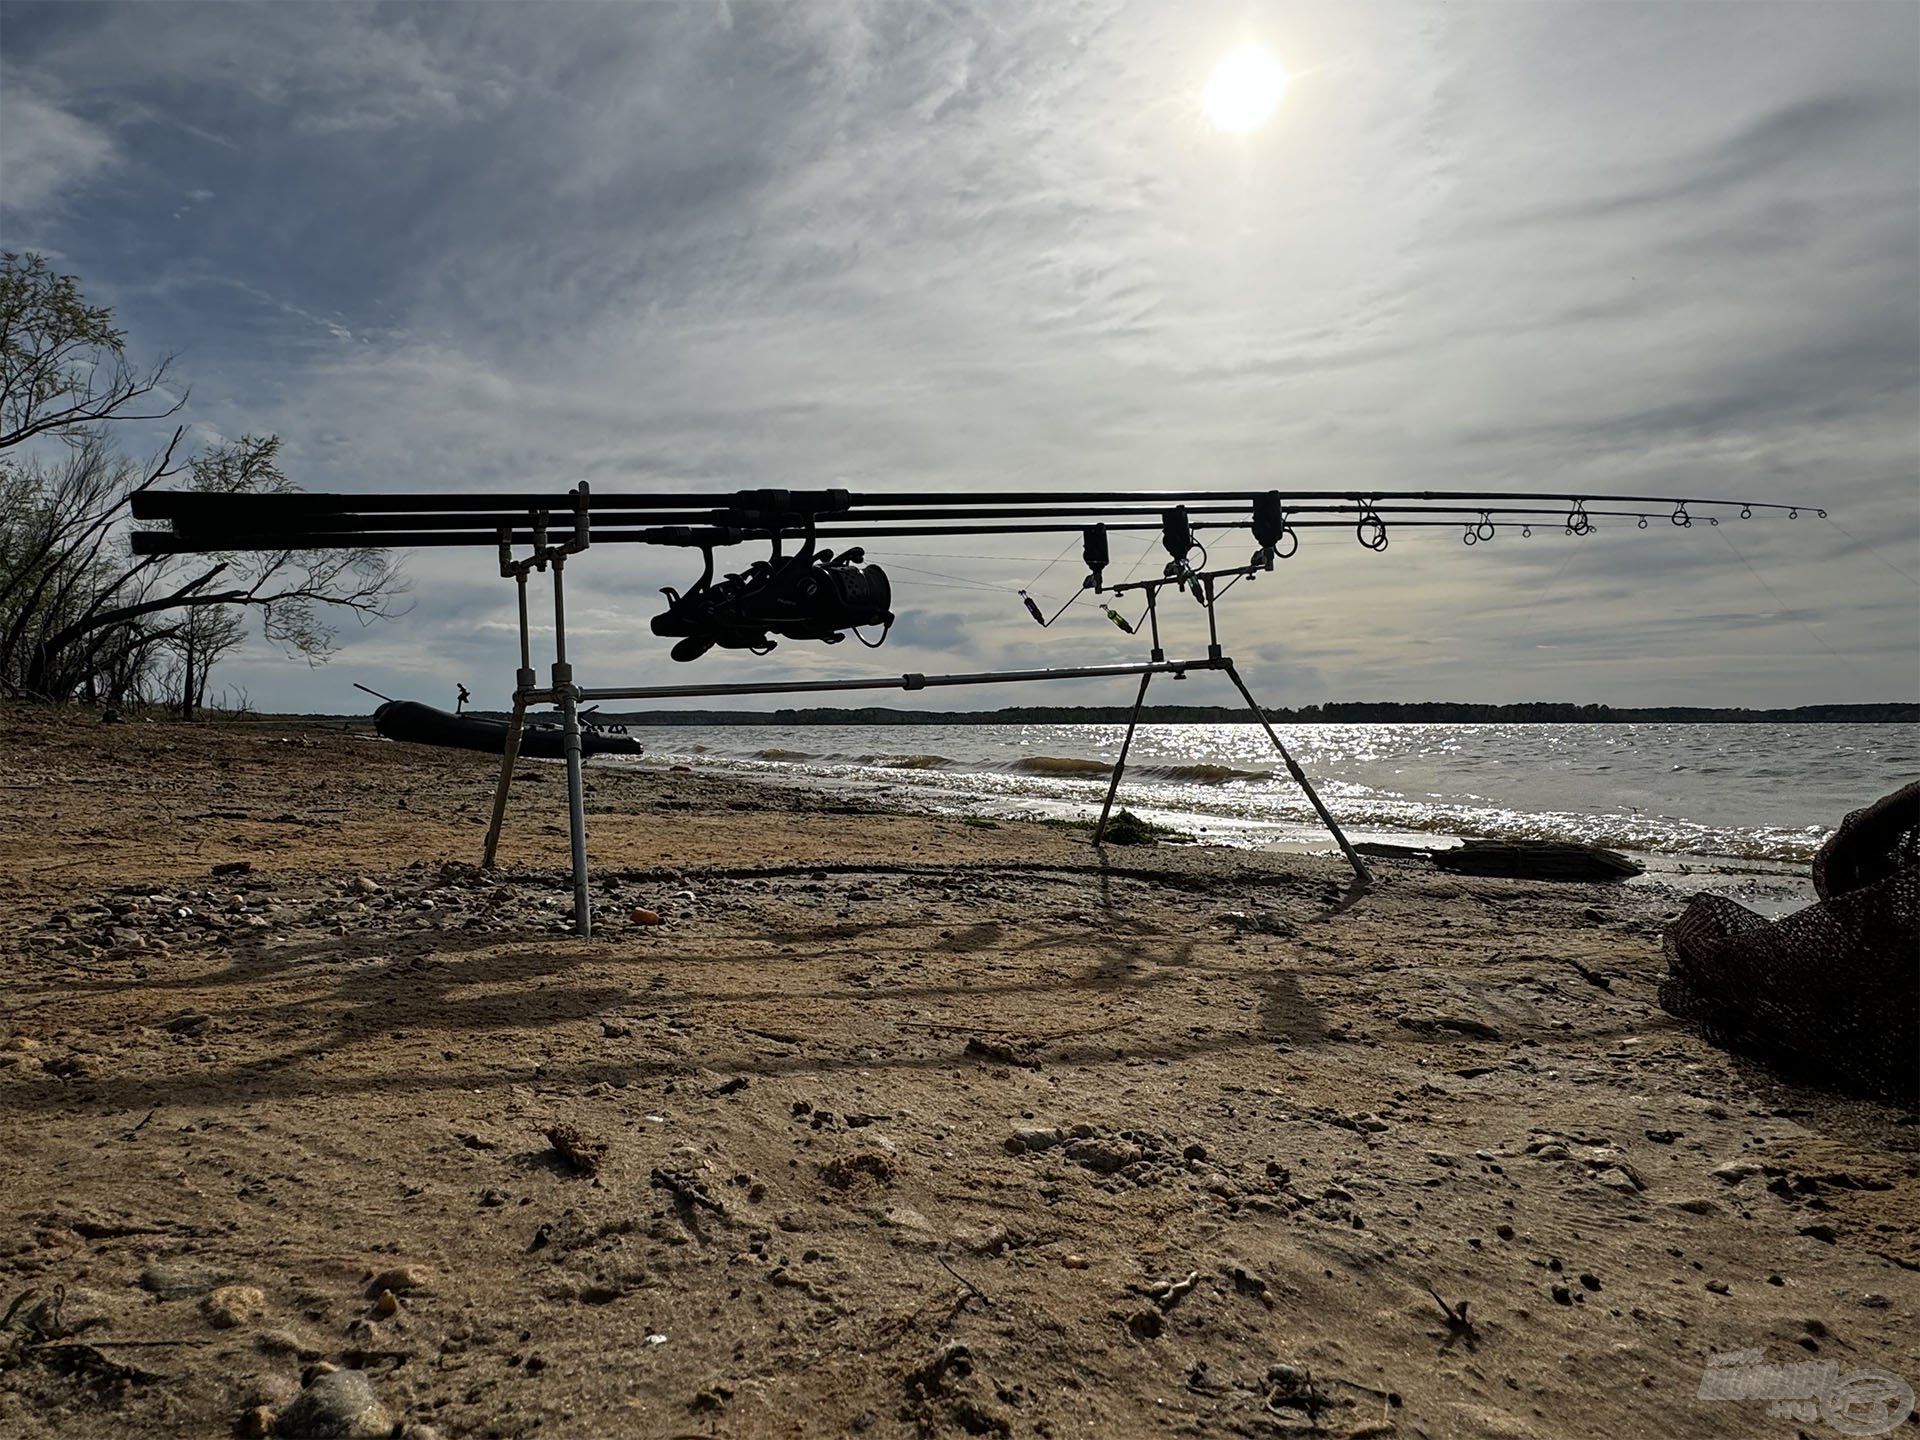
1074,1262
981,1239
385,1303
400,1280
1102,1155
232,1305
1734,1171
1592,1282
910,1228
641,915
280,1342
258,1421
1562,1295
177,1279
366,885
1719,1287
1697,1205
1874,1301
1033,1137
1619,1177
1505,1232
340,1405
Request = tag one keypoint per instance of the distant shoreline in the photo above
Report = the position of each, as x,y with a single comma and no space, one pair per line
1438,712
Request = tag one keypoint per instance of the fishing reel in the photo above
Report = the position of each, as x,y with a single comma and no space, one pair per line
811,595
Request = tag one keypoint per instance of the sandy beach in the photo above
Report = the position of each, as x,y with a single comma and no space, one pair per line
895,1125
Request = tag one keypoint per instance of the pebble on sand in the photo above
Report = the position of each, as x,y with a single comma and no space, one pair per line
400,1280
177,1279
232,1305
1033,1137
337,1406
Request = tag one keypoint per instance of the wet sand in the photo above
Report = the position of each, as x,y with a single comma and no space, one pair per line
896,1125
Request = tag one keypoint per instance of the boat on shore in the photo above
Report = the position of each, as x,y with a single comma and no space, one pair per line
420,724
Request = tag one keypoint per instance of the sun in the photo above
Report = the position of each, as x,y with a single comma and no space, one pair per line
1244,88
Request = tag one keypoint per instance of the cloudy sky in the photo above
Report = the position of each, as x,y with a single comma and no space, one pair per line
898,245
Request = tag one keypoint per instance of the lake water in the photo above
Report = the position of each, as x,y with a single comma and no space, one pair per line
1741,797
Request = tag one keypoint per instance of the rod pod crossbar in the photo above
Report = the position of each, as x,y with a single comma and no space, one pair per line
1145,669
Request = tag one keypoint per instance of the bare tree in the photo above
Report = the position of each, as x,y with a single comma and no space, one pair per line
79,614
199,640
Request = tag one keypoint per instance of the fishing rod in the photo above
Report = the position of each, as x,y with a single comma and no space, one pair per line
814,592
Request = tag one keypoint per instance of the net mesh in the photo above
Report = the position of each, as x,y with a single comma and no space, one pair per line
1831,993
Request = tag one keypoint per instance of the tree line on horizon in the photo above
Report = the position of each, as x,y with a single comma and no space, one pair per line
1345,712
81,616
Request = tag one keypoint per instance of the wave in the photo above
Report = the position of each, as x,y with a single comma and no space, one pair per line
1059,765
1190,774
775,753
1202,774
909,762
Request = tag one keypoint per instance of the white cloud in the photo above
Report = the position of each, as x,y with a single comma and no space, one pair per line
46,151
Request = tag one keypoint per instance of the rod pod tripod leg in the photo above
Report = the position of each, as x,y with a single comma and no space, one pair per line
1120,765
508,756
1363,875
510,753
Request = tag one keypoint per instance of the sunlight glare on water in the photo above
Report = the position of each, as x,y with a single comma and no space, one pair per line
1770,792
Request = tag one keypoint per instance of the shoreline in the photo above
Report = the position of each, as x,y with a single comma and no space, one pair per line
893,1125
1771,886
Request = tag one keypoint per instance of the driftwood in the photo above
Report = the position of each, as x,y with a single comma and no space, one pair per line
1536,860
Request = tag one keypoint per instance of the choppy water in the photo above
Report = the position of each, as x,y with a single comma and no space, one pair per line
1744,792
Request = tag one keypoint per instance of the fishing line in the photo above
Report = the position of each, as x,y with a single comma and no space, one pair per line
1051,563
1869,547
1152,541
965,580
1787,610
950,585
953,555
1533,611
1121,621
1033,607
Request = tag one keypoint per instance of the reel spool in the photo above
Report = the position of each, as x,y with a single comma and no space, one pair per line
812,595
